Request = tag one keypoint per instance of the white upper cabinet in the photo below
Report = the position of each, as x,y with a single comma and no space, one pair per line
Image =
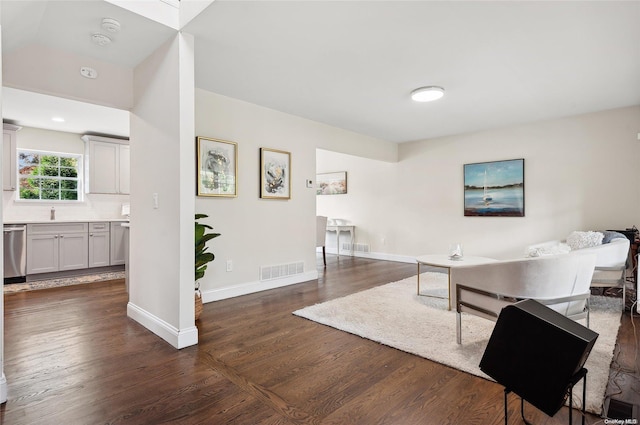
106,165
123,169
9,160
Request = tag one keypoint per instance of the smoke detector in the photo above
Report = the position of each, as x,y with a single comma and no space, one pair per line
110,25
100,39
88,72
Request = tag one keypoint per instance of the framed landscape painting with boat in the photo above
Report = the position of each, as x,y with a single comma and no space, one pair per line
494,189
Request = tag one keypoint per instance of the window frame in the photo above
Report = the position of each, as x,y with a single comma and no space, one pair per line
79,179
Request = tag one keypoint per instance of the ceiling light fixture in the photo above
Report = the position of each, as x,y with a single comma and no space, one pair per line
427,94
100,39
110,25
57,119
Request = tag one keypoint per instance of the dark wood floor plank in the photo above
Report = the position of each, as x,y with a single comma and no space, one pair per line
73,357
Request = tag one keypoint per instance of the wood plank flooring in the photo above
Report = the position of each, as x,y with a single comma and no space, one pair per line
73,357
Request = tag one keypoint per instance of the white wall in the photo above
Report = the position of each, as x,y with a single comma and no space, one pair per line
344,141
581,173
257,232
161,261
3,379
265,232
95,206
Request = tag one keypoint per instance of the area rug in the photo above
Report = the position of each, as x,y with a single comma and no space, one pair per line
66,281
394,315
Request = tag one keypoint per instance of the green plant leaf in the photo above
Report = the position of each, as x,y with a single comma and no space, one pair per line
202,257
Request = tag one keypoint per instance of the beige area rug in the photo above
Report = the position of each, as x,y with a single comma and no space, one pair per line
67,281
394,315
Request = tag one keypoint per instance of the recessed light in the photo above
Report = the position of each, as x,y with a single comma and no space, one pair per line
100,39
57,119
427,94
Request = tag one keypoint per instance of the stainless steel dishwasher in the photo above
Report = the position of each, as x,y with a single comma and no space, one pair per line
15,253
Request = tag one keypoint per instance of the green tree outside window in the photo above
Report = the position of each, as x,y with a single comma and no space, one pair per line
48,176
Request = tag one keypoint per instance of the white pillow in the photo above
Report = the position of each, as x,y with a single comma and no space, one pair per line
559,248
579,240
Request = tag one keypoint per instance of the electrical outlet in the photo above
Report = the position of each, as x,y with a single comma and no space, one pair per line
229,265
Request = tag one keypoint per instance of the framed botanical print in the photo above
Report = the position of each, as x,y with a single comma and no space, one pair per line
217,167
275,174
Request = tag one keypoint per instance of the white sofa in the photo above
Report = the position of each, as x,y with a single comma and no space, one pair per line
559,281
611,258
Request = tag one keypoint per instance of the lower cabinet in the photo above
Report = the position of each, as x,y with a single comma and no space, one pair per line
57,247
119,243
42,254
99,244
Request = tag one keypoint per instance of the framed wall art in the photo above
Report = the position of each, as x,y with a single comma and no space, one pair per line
494,189
217,167
275,174
331,183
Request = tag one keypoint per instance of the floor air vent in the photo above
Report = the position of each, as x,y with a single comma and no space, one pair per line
357,247
281,270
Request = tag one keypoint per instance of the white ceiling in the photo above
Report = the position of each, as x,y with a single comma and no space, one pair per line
39,110
352,64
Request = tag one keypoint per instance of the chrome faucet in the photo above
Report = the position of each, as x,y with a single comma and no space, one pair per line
53,213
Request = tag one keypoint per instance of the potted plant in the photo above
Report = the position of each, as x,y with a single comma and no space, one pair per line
202,256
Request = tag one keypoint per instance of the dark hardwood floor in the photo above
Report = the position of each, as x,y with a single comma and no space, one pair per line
73,357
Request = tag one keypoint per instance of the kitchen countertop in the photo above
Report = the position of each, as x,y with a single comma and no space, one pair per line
91,220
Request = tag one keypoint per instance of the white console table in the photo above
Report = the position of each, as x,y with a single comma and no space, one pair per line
343,228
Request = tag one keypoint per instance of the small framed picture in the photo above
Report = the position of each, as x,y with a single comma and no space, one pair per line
331,183
275,174
217,167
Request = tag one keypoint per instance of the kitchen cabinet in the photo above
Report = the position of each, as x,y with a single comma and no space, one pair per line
9,160
106,165
119,243
99,244
57,247
123,168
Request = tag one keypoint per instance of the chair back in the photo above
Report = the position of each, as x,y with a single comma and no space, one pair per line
321,230
612,254
541,278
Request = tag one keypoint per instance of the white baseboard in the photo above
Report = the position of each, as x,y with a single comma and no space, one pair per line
387,257
174,336
374,255
252,287
3,389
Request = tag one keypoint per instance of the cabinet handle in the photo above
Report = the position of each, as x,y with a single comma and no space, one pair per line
55,237
90,234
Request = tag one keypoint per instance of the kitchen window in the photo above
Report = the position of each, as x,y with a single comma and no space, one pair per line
49,176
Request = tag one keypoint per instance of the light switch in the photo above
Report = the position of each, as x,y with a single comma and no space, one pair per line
155,201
